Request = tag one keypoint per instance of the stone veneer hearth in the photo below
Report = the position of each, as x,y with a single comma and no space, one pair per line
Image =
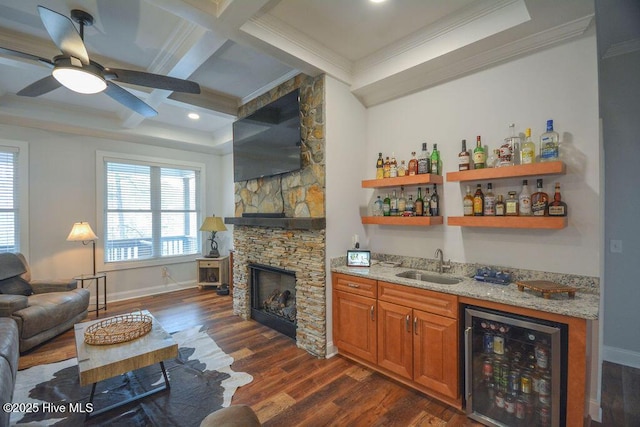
297,242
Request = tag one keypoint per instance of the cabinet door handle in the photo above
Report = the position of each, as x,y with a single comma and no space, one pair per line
353,285
407,323
372,313
467,361
415,325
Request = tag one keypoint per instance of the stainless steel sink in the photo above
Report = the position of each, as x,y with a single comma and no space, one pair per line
429,277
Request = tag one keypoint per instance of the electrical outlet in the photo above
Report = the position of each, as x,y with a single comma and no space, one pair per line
615,246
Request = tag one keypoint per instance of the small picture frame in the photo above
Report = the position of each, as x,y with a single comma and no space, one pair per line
358,258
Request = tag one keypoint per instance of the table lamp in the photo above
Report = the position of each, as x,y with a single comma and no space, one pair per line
82,232
213,224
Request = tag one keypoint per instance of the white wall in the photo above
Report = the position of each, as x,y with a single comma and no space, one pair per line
346,165
561,84
62,190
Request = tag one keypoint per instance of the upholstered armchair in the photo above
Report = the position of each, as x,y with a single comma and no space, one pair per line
41,308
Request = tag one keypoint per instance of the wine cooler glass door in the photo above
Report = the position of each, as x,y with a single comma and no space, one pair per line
512,370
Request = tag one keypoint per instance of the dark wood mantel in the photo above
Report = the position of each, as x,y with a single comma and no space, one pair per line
286,223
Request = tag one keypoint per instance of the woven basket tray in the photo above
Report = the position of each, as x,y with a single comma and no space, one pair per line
118,329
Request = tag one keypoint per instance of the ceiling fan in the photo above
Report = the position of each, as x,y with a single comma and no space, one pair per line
74,70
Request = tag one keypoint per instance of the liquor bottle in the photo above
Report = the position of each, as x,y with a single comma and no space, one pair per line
435,161
394,203
386,168
524,199
478,201
467,203
402,201
424,161
402,169
489,201
557,207
511,207
427,202
413,164
479,155
494,159
506,149
435,202
419,203
500,206
379,167
528,151
539,200
386,206
377,207
549,144
409,209
463,157
393,171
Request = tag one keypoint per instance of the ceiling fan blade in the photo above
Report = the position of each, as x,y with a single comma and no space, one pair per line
40,87
156,81
128,100
64,34
18,54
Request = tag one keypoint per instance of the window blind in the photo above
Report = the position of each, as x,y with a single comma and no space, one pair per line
151,211
9,206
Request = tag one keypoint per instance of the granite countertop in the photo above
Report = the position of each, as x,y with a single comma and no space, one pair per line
584,305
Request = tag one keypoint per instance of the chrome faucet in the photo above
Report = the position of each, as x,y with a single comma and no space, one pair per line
441,265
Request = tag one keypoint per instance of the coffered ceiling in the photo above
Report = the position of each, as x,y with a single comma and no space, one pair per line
238,49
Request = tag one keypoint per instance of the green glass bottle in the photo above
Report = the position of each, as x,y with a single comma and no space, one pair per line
435,161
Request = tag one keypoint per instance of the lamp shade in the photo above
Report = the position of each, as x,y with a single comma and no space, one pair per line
213,223
81,231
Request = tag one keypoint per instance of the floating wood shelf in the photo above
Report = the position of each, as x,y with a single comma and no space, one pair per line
403,220
548,222
535,169
402,180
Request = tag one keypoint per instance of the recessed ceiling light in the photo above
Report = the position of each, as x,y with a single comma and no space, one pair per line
193,116
377,1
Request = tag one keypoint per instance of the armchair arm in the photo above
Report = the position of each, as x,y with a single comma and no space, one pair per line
11,303
44,286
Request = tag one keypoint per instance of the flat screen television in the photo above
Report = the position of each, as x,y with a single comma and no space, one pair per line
268,142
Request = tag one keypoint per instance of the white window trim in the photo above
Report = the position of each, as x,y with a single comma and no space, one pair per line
101,156
23,196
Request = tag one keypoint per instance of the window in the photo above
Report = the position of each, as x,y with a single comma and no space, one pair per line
13,196
151,210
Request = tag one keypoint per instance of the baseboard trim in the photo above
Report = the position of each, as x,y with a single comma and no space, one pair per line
144,292
595,411
621,356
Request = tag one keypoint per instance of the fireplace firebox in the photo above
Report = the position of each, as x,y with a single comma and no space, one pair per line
273,298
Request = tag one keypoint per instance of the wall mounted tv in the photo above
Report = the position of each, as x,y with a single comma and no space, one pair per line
268,142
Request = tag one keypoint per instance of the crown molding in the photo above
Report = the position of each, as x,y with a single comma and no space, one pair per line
622,48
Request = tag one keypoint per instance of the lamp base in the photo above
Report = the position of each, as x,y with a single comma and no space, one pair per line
213,254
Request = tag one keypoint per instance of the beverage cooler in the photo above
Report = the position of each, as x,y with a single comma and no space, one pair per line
515,369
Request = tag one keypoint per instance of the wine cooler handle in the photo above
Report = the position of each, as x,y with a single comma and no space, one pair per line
372,313
467,361
407,323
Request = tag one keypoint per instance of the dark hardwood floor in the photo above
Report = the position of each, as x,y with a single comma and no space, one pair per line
290,387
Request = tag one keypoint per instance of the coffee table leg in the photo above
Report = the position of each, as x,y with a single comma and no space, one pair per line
166,386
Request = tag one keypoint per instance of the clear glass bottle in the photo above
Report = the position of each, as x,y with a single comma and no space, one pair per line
419,203
387,168
413,165
379,167
511,207
377,207
500,207
435,161
435,202
524,199
528,151
479,155
427,202
393,172
409,209
508,147
557,207
549,144
424,161
394,204
386,206
489,201
467,203
478,201
402,201
494,159
539,200
463,157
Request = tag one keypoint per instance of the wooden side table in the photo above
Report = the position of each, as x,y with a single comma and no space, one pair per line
212,271
96,278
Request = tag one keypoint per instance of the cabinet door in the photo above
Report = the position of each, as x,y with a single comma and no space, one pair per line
436,353
395,340
354,325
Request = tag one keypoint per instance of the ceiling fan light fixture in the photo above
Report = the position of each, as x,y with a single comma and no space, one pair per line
79,80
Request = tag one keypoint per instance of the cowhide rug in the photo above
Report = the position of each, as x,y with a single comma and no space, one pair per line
201,379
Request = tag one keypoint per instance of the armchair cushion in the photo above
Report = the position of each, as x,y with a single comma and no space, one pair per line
45,286
15,286
11,303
